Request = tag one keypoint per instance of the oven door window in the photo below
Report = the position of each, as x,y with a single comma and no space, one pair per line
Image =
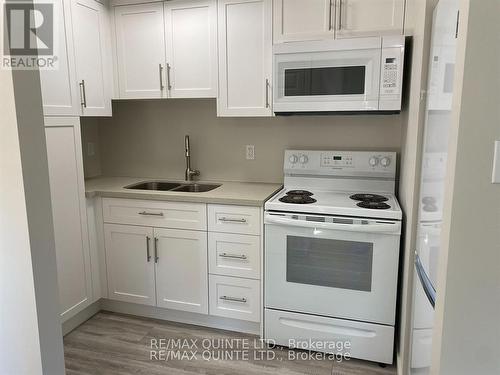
330,263
340,80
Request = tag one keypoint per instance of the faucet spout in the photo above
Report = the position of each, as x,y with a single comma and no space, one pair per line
190,173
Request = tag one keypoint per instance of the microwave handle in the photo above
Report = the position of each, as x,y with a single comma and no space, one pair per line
372,227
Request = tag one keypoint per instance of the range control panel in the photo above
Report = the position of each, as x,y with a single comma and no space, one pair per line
355,163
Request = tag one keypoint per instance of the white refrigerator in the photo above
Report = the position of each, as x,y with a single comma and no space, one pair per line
433,173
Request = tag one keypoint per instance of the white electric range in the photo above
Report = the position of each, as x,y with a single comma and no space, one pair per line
331,254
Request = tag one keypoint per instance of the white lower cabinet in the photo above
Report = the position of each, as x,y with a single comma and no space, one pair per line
234,297
130,263
157,254
234,255
181,270
64,156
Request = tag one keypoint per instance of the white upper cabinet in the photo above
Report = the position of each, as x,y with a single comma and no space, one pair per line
191,39
245,57
296,20
369,17
140,49
181,270
59,89
92,54
64,156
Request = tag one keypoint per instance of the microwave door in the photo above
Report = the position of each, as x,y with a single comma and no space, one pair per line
327,81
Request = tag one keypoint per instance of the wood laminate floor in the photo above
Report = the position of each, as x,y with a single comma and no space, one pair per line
112,344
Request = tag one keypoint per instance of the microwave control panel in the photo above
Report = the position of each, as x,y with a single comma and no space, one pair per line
392,71
391,75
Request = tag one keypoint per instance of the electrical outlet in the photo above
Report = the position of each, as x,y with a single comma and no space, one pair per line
496,164
250,152
90,148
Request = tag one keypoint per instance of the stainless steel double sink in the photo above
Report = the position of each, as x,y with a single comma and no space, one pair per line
173,186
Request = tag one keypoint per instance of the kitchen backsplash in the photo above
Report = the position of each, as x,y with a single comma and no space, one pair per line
145,138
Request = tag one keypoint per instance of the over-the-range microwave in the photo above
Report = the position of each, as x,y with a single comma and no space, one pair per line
347,75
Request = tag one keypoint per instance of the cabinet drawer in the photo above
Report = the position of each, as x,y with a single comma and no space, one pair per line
154,213
236,298
234,255
234,219
368,341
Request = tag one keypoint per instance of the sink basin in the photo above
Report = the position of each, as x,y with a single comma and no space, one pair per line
172,186
196,188
154,185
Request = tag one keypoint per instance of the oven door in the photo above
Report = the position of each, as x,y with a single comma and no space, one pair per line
336,267
327,81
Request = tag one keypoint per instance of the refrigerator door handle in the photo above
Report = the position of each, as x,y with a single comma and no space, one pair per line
429,290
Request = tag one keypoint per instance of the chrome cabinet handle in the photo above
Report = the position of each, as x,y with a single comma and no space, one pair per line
145,213
267,93
156,250
148,255
229,220
233,299
233,256
330,15
340,14
160,68
169,86
83,94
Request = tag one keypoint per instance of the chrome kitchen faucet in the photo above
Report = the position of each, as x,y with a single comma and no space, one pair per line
190,173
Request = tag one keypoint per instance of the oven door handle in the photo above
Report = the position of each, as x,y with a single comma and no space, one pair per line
371,227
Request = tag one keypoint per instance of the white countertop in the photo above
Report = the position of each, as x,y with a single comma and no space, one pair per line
241,193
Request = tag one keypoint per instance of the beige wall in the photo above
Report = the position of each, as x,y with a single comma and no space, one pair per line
467,328
146,138
90,134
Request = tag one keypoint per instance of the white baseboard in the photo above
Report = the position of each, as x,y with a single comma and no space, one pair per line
80,317
181,316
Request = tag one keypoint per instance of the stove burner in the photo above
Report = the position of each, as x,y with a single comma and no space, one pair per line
374,198
299,192
374,205
297,199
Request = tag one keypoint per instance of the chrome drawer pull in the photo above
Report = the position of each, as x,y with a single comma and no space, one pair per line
229,220
233,256
145,213
233,299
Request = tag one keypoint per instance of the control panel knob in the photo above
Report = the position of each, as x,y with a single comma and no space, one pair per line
293,159
373,161
385,162
303,159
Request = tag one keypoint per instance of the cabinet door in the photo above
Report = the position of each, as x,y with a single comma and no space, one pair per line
369,17
64,154
93,66
191,36
140,48
130,263
296,20
245,57
59,88
181,270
